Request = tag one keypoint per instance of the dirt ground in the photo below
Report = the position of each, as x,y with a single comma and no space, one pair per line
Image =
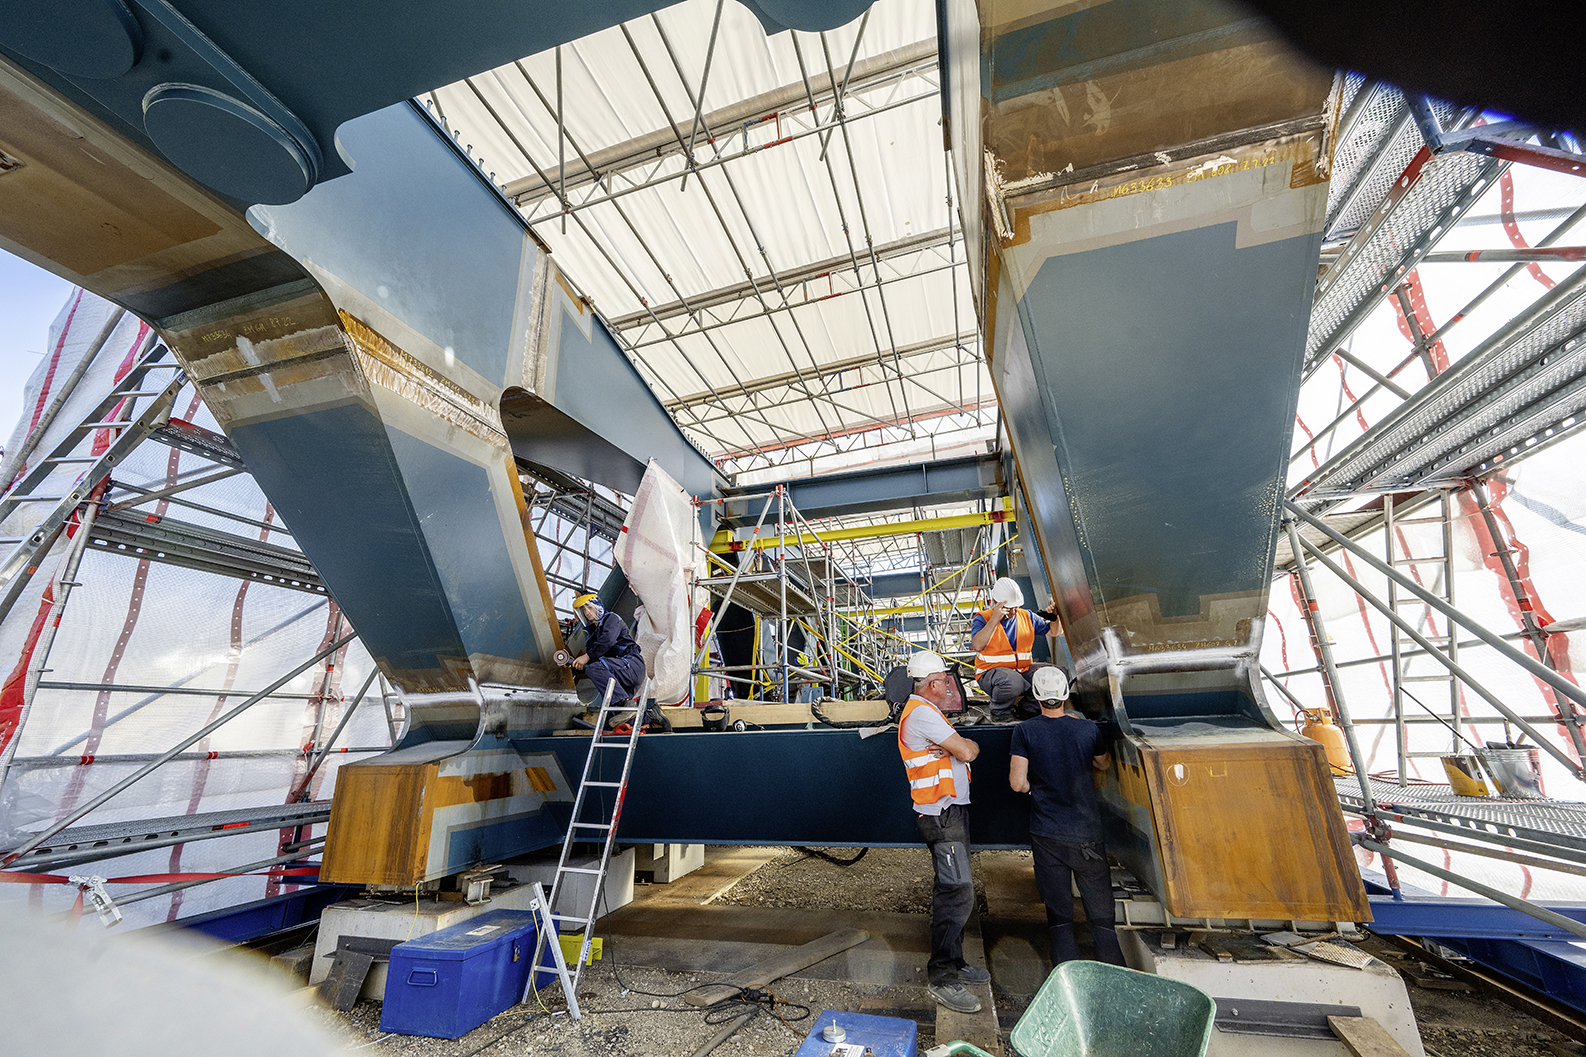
632,1009
893,880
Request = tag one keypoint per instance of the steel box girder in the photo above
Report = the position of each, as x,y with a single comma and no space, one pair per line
1440,917
921,484
790,787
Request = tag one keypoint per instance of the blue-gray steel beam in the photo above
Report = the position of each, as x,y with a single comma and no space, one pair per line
1449,916
886,488
249,98
732,788
1144,293
365,387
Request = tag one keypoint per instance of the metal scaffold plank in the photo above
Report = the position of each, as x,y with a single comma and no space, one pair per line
1429,197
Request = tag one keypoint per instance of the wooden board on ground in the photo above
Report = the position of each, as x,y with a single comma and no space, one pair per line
776,713
762,973
1364,1037
979,1029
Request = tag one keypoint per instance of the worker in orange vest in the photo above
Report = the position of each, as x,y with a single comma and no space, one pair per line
1003,637
936,760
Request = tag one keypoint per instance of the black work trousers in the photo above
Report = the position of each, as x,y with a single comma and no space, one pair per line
953,895
1058,866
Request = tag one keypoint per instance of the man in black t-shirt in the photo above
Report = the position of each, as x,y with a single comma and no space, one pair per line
1053,758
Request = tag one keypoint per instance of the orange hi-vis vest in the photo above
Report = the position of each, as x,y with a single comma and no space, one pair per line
999,652
930,777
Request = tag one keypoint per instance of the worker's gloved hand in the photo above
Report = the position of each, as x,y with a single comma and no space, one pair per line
1049,613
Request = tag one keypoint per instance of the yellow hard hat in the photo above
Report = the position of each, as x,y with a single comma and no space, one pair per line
583,600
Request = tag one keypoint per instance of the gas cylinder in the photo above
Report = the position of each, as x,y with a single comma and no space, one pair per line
1319,728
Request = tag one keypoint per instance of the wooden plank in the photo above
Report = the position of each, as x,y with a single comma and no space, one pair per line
978,1029
780,714
1364,1037
762,973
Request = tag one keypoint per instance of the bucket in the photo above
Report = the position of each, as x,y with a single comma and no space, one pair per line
1464,776
1516,772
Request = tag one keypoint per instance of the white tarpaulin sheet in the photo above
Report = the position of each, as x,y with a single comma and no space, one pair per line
661,552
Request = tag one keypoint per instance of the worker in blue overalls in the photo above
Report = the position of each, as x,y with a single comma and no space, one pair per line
610,654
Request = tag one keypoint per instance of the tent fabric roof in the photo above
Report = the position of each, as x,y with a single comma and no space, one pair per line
802,292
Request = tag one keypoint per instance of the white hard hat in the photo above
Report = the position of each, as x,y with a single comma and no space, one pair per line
1006,590
925,663
1049,684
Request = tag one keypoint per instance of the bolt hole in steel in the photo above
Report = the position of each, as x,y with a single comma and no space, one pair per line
227,144
91,39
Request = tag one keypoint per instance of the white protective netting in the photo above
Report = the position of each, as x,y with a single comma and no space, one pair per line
148,653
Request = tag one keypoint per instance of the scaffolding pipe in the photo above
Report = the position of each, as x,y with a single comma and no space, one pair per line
1525,906
1502,840
1324,649
319,758
14,460
781,569
64,585
1536,668
241,871
1459,672
1491,853
704,647
1523,602
193,739
699,105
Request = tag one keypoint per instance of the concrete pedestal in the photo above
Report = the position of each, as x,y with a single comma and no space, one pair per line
578,887
398,921
1377,990
667,862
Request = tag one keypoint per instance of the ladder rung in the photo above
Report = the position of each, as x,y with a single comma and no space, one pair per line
1432,560
34,498
132,394
75,458
606,743
579,869
593,825
559,916
1425,678
1428,755
1418,521
605,785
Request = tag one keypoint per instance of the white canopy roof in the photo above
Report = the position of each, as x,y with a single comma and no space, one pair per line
800,296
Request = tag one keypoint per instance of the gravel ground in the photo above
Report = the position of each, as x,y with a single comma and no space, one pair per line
895,880
627,1018
642,1013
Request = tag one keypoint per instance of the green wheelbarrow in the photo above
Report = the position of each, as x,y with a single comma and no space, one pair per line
1092,1009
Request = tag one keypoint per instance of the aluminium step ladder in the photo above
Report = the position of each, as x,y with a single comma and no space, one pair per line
581,831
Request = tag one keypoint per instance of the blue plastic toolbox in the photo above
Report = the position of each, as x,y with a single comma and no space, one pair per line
448,983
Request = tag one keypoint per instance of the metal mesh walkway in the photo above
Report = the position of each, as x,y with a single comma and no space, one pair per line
1554,822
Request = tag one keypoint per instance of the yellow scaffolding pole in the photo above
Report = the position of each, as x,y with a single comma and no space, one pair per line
723,543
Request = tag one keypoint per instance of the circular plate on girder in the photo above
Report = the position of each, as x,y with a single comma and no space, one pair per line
91,39
227,144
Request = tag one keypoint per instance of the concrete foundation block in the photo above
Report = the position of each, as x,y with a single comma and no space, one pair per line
401,921
1377,989
577,888
668,862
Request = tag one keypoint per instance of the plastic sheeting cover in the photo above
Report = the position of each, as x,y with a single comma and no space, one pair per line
660,550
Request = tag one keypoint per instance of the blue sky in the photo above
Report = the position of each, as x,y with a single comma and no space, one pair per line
30,298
